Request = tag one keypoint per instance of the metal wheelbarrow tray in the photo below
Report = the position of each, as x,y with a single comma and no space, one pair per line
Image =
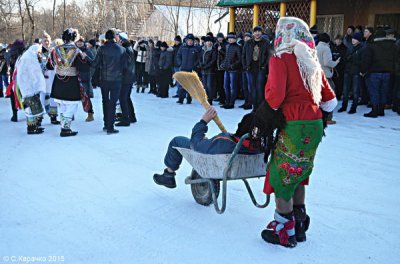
210,169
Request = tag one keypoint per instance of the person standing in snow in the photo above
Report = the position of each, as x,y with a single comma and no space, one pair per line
297,86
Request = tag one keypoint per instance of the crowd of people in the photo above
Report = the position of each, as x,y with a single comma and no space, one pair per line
363,66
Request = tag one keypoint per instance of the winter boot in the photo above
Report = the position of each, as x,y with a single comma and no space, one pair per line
353,110
89,117
53,120
123,123
281,231
137,89
342,109
373,113
32,126
167,179
14,117
66,127
133,119
381,110
143,88
1,93
302,222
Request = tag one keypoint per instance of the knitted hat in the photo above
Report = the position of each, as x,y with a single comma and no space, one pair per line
248,34
178,38
220,35
257,28
358,36
231,35
190,36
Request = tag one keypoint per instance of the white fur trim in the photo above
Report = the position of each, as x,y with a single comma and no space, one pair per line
330,105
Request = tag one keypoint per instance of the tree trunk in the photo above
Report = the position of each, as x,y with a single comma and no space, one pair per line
54,17
22,20
65,6
30,16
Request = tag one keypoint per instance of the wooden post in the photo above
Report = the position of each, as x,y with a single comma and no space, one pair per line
256,15
231,19
313,13
283,9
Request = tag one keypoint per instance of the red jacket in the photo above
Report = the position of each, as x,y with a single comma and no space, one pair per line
285,90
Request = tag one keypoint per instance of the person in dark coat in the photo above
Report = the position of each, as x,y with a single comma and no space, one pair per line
220,46
154,70
223,143
187,59
352,74
208,66
85,74
3,71
378,65
165,65
245,83
128,111
339,50
232,65
177,45
112,60
256,53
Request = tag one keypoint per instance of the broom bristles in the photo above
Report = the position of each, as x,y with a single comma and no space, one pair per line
191,83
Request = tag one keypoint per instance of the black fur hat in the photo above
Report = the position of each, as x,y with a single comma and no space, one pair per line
69,35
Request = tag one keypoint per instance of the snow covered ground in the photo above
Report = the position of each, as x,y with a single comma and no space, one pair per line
91,198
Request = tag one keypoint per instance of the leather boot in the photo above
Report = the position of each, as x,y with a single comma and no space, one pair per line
373,113
89,117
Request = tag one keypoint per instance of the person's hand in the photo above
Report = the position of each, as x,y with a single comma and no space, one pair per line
219,48
209,114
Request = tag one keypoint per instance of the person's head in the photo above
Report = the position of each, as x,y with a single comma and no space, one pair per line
196,41
380,34
359,28
220,37
91,43
390,33
247,36
164,46
151,43
257,32
210,34
190,39
357,38
338,40
46,40
208,42
324,37
69,35
368,31
178,40
80,43
350,30
158,44
231,37
314,31
110,35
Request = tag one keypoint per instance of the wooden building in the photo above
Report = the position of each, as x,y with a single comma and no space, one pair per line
331,16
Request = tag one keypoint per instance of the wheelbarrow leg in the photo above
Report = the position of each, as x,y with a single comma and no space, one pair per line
253,199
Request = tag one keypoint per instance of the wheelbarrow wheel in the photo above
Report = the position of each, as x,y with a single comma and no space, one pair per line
202,192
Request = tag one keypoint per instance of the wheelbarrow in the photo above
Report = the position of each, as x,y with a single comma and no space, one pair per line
209,170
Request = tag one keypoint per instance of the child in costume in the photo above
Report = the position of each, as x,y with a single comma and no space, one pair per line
296,86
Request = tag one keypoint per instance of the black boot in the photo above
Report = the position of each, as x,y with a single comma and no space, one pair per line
67,132
381,110
132,119
302,222
342,109
281,231
14,117
167,179
34,129
53,120
143,89
137,89
123,123
1,93
373,113
353,110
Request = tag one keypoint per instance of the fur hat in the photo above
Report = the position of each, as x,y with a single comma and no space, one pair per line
231,35
257,28
178,38
190,36
206,39
164,45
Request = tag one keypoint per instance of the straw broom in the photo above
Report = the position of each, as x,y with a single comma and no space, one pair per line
192,84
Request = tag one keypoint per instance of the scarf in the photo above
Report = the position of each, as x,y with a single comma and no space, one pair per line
293,36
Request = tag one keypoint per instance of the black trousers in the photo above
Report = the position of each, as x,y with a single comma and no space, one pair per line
219,80
110,92
164,80
128,111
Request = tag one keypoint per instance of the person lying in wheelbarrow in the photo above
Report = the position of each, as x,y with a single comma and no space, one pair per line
223,143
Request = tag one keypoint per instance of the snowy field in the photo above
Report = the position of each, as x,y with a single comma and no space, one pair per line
91,198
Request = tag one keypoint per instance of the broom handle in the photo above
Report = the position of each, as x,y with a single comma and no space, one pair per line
216,119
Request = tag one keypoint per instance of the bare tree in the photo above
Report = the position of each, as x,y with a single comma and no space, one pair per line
54,16
22,16
188,17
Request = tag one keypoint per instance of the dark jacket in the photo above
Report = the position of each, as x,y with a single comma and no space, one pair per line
85,71
188,58
379,56
112,60
223,143
353,60
208,60
166,59
339,52
176,48
155,58
220,54
263,58
129,72
233,58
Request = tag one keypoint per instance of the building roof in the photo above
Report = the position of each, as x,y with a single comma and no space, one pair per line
246,2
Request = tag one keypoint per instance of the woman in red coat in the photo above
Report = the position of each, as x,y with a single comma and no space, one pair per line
296,85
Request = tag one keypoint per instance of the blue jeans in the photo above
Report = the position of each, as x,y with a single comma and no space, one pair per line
173,158
245,87
230,85
110,92
351,82
256,80
209,84
3,79
378,87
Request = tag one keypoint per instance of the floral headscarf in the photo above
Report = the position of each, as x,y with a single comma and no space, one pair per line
293,36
